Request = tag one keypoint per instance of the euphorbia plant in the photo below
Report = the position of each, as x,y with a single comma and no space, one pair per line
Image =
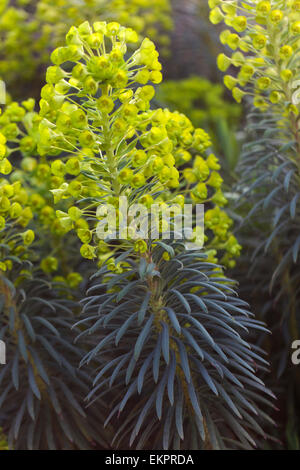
168,332
265,37
41,388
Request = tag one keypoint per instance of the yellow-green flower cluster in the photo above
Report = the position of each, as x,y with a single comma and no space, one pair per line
28,29
264,36
19,130
204,103
106,142
219,223
15,216
16,211
26,211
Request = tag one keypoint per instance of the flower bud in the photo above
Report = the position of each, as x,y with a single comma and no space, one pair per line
105,104
263,83
238,94
295,27
223,62
276,16
259,41
263,7
94,40
233,41
125,176
84,235
200,191
73,166
58,168
87,251
156,77
140,246
239,23
15,210
139,158
286,52
49,264
286,75
90,86
5,167
28,237
86,139
54,74
275,97
74,279
71,53
138,180
216,16
230,82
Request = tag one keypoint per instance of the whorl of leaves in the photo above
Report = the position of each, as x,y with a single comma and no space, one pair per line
269,201
41,389
270,183
173,340
268,198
